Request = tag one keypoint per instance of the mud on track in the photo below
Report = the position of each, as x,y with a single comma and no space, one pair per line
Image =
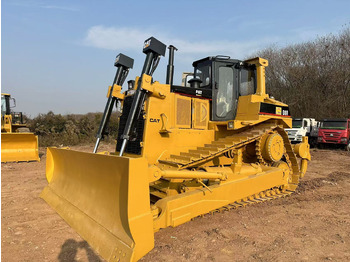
311,225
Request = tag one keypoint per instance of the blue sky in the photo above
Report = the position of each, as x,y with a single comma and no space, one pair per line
59,55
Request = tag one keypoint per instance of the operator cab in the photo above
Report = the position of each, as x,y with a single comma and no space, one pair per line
221,80
5,104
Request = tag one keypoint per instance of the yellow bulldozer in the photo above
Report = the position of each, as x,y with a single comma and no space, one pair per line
17,143
181,152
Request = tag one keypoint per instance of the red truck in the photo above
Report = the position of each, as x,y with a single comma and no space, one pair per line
335,131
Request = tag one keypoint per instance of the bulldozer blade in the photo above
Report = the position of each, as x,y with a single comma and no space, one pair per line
17,147
105,198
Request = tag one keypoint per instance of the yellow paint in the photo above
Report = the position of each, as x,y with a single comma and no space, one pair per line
116,92
17,147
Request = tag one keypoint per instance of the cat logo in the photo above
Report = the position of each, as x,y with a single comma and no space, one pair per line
147,44
278,110
154,120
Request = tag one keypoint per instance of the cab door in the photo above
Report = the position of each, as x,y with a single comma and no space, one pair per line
225,92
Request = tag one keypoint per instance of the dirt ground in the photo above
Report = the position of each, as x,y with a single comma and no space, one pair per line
311,225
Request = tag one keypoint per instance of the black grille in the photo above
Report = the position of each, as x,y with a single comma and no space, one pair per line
17,117
134,144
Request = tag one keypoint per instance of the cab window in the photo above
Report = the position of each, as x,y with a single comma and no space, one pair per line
247,82
203,73
296,123
224,99
3,105
305,123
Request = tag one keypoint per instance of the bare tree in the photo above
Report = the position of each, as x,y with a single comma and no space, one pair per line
313,78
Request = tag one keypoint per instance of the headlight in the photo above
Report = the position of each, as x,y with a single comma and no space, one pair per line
319,139
343,140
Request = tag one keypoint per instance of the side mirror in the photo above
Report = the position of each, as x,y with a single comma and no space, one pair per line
13,103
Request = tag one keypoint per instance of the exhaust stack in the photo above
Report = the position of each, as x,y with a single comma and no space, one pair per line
170,68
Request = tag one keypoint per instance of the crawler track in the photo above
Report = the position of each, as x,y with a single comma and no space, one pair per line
255,199
201,155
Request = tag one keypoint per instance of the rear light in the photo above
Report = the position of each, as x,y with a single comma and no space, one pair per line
343,140
319,139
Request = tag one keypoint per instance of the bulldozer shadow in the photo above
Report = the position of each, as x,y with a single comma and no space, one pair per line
70,249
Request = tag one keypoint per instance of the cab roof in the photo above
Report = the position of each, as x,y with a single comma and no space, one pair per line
220,58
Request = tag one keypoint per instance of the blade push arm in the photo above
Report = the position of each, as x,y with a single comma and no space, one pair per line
153,50
124,64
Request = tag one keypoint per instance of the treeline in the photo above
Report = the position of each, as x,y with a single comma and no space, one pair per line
313,78
63,130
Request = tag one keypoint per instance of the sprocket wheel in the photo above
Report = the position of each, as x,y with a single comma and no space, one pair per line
270,148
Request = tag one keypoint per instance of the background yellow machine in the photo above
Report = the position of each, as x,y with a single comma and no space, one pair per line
17,143
181,152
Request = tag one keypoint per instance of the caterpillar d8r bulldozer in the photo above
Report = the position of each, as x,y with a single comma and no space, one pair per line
182,151
17,143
